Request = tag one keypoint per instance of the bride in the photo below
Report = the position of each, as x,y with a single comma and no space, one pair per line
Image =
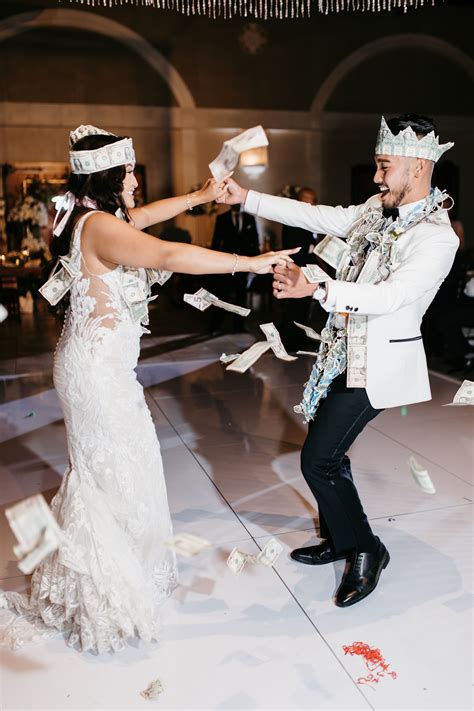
105,583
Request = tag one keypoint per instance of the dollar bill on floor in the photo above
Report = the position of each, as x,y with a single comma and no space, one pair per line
36,530
229,358
187,544
310,332
153,690
229,155
331,250
464,396
274,339
421,476
249,357
236,561
270,552
315,274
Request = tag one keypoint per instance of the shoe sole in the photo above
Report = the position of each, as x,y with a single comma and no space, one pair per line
321,562
354,602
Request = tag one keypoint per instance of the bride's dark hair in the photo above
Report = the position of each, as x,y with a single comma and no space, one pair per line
104,187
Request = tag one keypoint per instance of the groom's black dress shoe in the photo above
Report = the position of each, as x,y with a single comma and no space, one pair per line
317,555
362,576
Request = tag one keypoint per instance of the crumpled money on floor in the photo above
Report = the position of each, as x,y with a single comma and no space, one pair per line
154,689
267,556
464,396
421,476
187,544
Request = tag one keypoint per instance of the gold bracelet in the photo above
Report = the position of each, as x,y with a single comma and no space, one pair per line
235,264
188,202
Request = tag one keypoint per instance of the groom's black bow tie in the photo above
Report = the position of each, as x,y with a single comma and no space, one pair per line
390,212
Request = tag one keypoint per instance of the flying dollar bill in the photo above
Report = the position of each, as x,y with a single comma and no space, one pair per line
36,530
202,299
236,561
230,152
464,396
315,274
249,357
311,333
229,358
310,353
331,250
421,476
274,339
186,544
270,552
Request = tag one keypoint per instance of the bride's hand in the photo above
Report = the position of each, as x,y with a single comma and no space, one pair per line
211,190
263,263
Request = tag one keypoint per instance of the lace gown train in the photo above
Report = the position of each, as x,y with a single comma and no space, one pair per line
106,583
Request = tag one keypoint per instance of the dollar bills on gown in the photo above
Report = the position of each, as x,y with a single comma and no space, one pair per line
230,152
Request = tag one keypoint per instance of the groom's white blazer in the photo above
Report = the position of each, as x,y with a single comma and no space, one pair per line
397,373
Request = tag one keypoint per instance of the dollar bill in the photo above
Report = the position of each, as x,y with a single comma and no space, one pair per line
57,286
153,690
310,332
229,358
357,330
464,396
310,353
315,274
356,377
187,545
236,561
421,476
36,530
270,552
249,357
369,273
158,276
202,299
274,339
331,249
230,152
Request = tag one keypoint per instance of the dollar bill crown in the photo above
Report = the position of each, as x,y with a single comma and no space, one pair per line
407,143
92,161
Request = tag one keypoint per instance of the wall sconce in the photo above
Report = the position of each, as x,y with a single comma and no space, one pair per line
254,161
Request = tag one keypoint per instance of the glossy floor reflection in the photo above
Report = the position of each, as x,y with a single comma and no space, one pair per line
272,638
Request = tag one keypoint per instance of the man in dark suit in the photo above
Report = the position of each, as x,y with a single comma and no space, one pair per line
235,232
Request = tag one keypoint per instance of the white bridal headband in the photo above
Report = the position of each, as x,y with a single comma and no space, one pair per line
407,143
92,161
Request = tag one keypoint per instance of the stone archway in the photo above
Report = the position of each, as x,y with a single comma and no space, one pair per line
91,22
373,49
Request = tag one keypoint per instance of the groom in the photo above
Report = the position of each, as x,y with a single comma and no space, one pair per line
398,248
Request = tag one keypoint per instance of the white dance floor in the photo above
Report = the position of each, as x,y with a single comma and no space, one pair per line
271,638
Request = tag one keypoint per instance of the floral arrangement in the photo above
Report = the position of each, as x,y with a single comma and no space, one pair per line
29,210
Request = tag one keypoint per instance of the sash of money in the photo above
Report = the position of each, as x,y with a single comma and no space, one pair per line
370,257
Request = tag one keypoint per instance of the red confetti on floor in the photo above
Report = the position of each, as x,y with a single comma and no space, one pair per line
374,662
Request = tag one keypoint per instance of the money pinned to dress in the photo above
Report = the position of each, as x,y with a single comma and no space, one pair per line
464,396
249,357
154,689
421,476
203,299
158,276
187,544
274,339
310,332
36,530
229,155
315,274
331,250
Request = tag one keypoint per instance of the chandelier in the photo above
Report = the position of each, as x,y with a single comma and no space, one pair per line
264,9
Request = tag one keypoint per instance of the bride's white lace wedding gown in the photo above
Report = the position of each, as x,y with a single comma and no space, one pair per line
105,584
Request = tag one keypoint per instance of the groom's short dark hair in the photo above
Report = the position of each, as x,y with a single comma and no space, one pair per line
422,125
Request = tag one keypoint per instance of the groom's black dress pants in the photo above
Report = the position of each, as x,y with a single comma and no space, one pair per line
341,416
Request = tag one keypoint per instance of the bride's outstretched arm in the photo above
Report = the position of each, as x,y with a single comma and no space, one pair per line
162,210
113,241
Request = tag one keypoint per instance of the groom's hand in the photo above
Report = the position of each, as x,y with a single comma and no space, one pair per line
289,282
234,195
